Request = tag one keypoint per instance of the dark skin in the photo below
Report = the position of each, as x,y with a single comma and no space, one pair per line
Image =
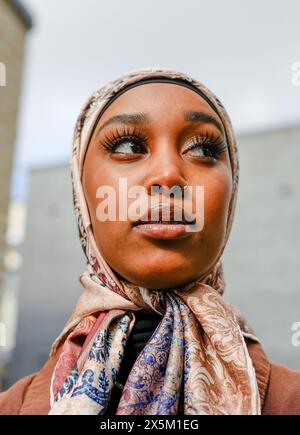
165,160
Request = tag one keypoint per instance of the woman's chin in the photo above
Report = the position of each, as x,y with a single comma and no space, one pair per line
162,281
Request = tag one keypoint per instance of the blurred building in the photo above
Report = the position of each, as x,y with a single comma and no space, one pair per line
14,23
261,261
52,263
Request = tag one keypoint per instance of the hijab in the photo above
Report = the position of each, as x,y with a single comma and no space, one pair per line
199,344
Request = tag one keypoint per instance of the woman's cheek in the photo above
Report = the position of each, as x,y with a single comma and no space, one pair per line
217,196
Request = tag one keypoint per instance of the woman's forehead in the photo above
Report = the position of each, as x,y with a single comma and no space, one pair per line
150,101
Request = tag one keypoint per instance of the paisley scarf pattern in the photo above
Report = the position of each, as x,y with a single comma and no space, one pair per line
199,345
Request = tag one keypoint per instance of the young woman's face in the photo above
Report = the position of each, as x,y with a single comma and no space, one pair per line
156,151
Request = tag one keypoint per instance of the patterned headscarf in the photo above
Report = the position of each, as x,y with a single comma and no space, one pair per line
199,344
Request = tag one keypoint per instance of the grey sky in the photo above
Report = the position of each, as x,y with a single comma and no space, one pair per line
243,51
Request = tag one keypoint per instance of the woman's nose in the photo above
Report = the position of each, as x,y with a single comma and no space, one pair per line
165,171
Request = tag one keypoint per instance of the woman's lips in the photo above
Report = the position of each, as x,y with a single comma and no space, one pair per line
163,230
164,221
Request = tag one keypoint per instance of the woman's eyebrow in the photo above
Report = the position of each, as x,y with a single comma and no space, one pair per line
127,118
194,116
143,118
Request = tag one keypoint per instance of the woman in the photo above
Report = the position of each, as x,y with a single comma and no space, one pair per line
151,333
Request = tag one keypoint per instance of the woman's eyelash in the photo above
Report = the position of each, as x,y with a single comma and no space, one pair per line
111,141
212,146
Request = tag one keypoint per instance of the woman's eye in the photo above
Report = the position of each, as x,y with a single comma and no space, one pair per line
210,150
200,151
128,147
124,143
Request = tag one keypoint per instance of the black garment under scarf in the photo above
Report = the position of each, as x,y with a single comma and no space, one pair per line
142,331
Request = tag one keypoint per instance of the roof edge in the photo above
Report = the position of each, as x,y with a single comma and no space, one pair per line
22,12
